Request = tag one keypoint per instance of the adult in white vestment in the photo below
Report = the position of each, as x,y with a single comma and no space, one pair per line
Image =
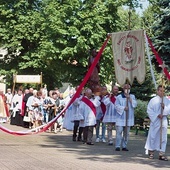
88,115
125,105
16,107
158,109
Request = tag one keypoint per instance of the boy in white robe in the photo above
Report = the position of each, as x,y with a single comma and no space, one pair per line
158,109
125,105
110,115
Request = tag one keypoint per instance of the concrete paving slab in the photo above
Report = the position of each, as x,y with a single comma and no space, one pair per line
49,151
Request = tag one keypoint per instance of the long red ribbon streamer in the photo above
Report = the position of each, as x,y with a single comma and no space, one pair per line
158,58
44,128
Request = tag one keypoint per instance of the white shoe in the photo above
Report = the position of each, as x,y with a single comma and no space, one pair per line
110,143
97,140
103,140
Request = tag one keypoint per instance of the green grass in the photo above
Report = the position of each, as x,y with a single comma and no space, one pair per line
168,131
142,132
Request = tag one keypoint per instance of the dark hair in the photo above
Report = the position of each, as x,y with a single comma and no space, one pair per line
160,86
39,93
54,93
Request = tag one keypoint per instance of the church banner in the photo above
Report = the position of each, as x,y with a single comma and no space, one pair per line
28,79
129,56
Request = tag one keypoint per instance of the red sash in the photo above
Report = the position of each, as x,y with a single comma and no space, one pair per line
112,99
23,107
103,107
90,104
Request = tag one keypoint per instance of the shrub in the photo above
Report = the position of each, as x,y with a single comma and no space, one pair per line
140,110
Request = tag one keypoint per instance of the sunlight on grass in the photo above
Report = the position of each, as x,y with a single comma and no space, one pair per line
142,132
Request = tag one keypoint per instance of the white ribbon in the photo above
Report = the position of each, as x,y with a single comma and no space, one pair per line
149,58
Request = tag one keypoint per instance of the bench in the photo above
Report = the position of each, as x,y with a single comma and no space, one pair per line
142,124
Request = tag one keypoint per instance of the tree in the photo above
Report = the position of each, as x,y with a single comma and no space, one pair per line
161,32
54,37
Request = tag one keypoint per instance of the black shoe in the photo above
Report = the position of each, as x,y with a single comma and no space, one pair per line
74,139
90,143
117,149
79,140
125,149
163,158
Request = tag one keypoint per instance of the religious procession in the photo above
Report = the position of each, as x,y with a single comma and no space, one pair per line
95,112
90,108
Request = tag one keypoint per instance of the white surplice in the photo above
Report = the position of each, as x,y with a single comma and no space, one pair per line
88,118
155,130
110,115
120,105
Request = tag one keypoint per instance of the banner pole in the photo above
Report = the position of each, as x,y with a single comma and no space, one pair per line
163,66
41,80
127,111
14,80
161,118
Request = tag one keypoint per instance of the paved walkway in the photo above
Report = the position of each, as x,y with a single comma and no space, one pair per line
48,151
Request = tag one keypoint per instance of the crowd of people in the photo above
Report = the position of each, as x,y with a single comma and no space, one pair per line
116,110
32,108
88,112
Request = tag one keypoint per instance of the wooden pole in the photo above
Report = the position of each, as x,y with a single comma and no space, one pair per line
14,81
129,19
41,79
161,111
127,101
163,66
127,112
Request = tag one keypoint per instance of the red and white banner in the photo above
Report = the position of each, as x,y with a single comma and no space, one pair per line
129,56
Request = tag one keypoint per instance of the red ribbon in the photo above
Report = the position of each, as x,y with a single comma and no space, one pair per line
45,127
90,104
158,58
112,99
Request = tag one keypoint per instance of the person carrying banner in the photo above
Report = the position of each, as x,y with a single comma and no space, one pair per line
110,115
155,105
125,102
88,115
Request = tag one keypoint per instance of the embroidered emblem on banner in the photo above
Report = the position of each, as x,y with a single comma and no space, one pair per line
129,58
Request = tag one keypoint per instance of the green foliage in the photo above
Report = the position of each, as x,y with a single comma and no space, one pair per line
146,89
161,33
141,109
48,36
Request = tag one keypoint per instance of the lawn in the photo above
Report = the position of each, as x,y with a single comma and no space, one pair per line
142,132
